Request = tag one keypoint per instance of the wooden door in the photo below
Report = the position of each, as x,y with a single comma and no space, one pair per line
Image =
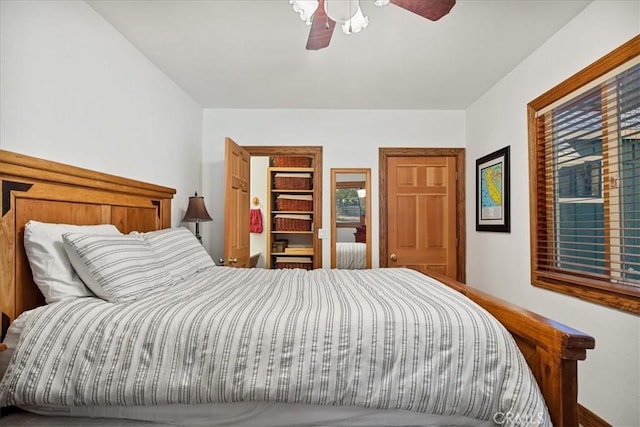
236,212
421,197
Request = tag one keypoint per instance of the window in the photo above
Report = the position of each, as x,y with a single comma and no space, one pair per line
584,145
350,205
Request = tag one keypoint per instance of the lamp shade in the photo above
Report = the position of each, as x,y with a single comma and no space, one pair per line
196,211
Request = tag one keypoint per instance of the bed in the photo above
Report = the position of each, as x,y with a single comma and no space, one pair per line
351,255
36,189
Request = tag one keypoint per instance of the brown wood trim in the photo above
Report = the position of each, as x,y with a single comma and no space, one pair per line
586,289
589,419
22,166
332,207
574,288
283,150
550,348
533,189
602,66
459,153
352,184
315,152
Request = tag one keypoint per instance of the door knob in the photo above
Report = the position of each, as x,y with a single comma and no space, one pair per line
394,257
232,260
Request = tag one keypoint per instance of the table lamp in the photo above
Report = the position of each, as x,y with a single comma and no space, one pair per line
196,212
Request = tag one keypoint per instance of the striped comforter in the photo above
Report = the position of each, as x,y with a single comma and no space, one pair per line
386,339
351,255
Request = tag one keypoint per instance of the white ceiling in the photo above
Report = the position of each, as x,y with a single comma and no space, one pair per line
251,53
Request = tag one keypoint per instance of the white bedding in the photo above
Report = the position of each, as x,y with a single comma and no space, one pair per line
387,339
351,255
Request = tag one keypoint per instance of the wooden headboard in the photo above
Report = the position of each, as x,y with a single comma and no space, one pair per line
53,192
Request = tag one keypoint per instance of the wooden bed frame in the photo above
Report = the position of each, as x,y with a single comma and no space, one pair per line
47,191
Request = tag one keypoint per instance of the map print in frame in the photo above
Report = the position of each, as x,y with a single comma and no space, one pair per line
492,192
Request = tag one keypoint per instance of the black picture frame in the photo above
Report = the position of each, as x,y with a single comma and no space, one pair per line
493,201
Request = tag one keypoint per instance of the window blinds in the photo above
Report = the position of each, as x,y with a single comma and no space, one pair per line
587,154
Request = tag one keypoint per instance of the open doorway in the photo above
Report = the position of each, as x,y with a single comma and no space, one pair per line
242,210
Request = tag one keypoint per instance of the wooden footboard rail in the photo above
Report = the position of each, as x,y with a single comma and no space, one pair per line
551,349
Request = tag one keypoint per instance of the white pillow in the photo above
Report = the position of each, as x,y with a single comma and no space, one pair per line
11,340
116,268
52,272
179,250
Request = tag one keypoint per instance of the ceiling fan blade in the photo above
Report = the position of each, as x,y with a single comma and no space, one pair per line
430,9
321,29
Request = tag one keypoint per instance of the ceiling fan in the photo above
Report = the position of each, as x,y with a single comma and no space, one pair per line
322,15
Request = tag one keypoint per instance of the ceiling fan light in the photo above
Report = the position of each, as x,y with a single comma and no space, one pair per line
381,3
356,24
304,8
341,10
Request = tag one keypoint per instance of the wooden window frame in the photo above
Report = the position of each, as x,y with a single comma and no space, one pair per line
621,297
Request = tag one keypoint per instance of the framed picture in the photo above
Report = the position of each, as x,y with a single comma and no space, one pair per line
492,192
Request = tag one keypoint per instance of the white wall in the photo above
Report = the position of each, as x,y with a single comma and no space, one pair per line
349,138
74,90
609,380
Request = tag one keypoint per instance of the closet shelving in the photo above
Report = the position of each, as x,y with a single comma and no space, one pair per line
291,202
